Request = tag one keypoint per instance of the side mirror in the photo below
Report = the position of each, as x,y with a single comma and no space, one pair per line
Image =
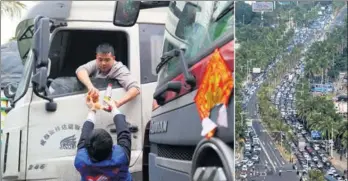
39,80
41,48
126,13
42,63
10,90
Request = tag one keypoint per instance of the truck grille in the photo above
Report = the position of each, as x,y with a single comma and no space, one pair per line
173,152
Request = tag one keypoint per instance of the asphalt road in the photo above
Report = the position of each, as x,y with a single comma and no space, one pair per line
269,156
339,19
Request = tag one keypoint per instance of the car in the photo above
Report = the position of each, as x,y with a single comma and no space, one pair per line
255,152
336,175
247,154
309,158
320,165
314,153
244,168
238,164
303,131
315,158
255,158
309,150
331,172
324,159
250,163
299,126
316,147
257,148
243,175
245,160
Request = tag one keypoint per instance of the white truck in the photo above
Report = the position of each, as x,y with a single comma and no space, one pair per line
301,144
42,129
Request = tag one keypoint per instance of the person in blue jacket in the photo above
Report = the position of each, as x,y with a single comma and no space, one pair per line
97,159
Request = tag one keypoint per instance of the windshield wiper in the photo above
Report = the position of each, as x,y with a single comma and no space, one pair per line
189,78
165,58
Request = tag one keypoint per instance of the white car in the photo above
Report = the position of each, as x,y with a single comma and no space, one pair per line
315,158
316,147
244,168
245,160
324,159
320,165
299,127
243,175
250,163
257,148
255,158
336,175
331,172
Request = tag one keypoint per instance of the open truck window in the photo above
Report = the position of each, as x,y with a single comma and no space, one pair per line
72,48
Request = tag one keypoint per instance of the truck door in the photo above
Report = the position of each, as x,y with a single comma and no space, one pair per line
53,134
150,41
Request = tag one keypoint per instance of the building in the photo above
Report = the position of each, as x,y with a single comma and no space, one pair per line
341,108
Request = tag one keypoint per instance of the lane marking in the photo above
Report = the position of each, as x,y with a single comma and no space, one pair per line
271,148
266,153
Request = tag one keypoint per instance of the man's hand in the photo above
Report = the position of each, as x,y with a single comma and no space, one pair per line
113,105
92,89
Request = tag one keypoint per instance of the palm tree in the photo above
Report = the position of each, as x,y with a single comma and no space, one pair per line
279,128
316,175
11,8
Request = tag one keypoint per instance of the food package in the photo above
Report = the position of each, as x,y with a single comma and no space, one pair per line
95,99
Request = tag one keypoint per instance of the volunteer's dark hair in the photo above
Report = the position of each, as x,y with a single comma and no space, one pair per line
105,48
99,145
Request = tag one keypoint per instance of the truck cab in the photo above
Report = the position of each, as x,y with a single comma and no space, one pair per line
48,108
174,148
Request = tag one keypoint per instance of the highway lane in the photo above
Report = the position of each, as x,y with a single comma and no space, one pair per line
270,154
339,18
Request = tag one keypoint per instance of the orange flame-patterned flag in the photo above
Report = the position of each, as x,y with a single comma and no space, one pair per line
215,89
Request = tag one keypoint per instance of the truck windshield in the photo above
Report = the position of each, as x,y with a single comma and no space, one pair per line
24,34
194,26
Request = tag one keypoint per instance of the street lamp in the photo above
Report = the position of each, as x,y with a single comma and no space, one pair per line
243,19
248,68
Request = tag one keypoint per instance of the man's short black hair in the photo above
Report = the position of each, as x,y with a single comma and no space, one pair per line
99,145
105,48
